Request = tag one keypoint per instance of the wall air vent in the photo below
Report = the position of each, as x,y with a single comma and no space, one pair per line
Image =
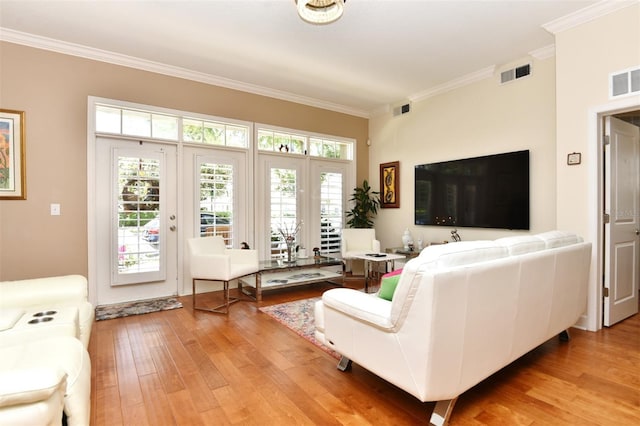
515,73
401,109
623,83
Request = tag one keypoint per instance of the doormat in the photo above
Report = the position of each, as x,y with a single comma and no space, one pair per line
138,307
298,316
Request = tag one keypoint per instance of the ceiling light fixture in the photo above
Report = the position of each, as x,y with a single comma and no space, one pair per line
320,11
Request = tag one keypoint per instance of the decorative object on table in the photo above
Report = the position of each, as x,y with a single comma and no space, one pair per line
365,206
420,244
245,246
407,240
390,185
12,155
455,236
289,237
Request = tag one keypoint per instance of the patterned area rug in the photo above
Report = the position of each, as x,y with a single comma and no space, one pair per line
298,316
139,307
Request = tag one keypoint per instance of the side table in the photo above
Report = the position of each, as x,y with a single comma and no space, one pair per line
375,258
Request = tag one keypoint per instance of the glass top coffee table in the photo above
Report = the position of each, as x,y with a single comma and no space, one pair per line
278,273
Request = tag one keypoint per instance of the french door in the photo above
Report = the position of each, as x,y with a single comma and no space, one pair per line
136,220
300,192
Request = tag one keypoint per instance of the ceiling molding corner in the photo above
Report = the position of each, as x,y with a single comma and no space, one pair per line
544,52
81,51
587,14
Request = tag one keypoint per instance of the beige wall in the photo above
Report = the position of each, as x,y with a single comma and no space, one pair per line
586,55
52,89
478,119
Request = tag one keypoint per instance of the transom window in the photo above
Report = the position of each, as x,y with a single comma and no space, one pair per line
314,146
148,124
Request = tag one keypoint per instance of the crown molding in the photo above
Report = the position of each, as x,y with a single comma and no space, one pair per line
587,14
81,51
454,84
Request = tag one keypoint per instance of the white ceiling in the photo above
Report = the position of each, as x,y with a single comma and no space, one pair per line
379,53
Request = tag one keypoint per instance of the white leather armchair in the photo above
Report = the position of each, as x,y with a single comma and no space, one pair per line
357,241
211,260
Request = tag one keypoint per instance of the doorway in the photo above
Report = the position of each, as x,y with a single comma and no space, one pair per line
620,225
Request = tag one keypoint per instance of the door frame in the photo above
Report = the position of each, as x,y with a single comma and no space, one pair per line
594,316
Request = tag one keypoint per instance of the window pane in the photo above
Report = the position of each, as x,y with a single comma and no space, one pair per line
238,136
283,208
213,133
216,201
164,127
330,212
191,130
138,210
315,147
265,141
136,123
296,145
107,119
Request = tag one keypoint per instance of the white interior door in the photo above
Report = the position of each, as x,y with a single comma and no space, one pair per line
136,220
622,233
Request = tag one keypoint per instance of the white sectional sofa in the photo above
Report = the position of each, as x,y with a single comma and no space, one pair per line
460,312
45,327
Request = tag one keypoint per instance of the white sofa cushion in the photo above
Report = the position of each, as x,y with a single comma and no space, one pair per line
521,244
553,239
460,253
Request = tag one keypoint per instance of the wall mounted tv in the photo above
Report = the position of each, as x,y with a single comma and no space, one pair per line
481,192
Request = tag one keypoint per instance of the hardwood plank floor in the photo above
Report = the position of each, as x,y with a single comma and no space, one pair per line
180,368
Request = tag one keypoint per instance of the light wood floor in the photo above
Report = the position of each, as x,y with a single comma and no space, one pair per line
180,368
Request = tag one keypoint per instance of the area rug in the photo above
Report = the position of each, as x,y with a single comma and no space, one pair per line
138,307
298,317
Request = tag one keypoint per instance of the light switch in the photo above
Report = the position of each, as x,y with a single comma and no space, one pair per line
55,209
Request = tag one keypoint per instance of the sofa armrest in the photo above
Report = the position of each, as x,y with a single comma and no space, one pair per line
360,306
66,289
29,386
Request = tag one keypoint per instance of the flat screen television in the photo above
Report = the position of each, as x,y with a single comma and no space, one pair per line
482,192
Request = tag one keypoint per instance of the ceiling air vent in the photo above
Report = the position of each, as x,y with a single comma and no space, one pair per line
515,73
624,83
401,109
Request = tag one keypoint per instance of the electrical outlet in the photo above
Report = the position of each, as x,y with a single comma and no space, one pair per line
55,209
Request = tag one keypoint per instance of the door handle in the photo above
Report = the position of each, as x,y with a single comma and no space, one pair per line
172,217
172,228
637,231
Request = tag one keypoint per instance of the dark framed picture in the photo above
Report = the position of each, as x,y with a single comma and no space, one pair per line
12,155
574,158
390,185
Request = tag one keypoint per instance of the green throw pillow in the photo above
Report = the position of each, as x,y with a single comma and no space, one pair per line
388,286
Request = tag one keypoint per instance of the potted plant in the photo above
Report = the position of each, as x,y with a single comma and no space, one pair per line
365,206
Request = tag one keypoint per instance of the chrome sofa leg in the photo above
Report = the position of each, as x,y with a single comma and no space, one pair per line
442,412
344,364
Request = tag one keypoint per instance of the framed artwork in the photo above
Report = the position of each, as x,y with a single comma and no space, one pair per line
12,155
390,185
574,158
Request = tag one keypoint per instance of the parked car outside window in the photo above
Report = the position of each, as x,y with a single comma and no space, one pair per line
209,223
